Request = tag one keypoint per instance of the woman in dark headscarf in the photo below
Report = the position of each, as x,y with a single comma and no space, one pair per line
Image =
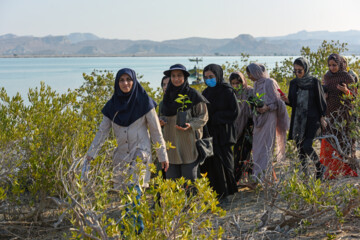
183,158
307,100
164,83
130,113
243,126
336,84
223,111
270,122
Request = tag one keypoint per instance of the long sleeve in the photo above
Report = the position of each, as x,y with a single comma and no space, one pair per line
100,137
229,115
321,101
156,135
292,94
271,98
200,116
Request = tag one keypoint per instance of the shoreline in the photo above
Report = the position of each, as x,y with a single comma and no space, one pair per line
100,56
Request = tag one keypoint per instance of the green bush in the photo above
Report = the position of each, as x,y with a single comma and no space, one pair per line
169,209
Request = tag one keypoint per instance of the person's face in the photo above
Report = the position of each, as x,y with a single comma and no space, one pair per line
177,78
125,83
250,76
333,66
235,83
209,75
165,83
299,71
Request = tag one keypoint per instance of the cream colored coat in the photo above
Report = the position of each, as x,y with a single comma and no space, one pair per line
185,151
133,141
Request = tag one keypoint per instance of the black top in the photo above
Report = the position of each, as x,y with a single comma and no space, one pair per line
223,111
316,107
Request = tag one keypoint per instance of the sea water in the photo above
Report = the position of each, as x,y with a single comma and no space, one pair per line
20,74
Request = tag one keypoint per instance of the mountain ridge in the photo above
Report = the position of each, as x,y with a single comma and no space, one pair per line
88,44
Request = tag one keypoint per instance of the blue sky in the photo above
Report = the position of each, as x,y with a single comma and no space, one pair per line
167,19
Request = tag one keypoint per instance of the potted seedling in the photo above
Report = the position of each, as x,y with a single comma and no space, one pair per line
239,90
256,102
181,114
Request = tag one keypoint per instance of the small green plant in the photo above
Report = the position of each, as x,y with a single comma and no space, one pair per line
256,102
357,212
239,90
183,100
331,236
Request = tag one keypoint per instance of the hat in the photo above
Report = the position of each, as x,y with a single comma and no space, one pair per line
177,67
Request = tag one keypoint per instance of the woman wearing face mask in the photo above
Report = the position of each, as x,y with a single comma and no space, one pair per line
307,100
183,158
223,111
271,121
336,83
243,126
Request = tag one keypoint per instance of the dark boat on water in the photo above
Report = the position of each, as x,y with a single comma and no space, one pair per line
197,60
196,72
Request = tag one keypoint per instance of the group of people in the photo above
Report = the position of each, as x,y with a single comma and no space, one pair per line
240,119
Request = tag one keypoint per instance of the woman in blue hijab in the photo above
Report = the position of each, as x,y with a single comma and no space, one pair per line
131,114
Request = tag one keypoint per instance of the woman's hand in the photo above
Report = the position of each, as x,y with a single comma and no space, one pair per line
162,122
342,87
265,108
185,128
285,99
165,165
323,123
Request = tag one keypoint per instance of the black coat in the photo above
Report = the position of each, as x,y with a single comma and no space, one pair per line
223,110
316,107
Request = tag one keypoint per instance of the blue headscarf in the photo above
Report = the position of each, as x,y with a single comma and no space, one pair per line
125,108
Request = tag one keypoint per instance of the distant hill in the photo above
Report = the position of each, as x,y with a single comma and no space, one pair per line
351,37
80,37
87,44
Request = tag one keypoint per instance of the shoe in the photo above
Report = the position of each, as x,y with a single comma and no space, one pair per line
223,202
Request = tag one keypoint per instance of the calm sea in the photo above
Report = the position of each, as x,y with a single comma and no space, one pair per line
20,74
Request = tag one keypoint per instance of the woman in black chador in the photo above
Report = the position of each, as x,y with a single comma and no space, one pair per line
223,111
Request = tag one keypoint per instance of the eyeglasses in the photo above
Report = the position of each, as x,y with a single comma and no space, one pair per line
298,71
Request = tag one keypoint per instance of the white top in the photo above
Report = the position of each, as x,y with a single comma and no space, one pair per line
133,141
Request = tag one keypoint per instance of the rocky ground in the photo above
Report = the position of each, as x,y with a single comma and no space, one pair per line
246,208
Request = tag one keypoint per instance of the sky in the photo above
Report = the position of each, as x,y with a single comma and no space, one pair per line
160,20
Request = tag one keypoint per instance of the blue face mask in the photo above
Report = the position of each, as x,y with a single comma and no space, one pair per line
211,82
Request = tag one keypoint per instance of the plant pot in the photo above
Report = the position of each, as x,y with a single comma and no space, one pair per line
260,104
181,119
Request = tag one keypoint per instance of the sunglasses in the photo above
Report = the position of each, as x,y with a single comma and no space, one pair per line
298,71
